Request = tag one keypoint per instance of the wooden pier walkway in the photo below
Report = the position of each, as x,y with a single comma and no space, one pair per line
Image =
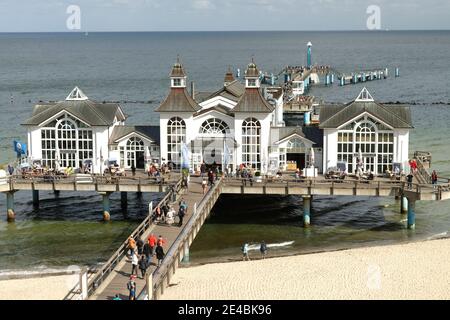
116,283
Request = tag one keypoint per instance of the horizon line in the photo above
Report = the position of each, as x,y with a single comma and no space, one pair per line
212,31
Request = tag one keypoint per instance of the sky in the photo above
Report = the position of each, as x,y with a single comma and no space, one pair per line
221,15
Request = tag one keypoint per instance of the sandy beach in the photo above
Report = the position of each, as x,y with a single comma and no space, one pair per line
45,288
409,271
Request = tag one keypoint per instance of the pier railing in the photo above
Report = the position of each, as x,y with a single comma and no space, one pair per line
162,275
100,276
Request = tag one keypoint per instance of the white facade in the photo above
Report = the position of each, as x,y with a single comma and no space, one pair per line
79,133
377,138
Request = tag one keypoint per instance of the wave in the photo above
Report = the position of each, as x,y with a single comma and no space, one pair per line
255,247
443,235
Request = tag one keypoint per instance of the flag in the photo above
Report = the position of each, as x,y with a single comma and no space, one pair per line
184,156
20,148
226,154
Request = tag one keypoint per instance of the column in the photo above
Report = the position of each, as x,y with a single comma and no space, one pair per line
149,285
106,206
56,192
404,205
124,200
35,198
307,211
186,252
411,214
11,215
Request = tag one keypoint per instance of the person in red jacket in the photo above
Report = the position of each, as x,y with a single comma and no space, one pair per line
152,243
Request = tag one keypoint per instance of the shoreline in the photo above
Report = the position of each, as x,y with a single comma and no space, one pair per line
403,271
17,286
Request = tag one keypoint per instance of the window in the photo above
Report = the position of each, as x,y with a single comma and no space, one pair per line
177,82
176,136
251,83
67,141
214,126
134,150
373,140
251,143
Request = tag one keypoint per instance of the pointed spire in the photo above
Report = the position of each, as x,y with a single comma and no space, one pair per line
76,95
365,96
178,75
252,76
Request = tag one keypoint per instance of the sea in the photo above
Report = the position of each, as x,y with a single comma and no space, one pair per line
133,69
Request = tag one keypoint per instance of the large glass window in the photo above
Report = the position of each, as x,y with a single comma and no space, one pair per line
176,136
373,140
67,141
214,126
251,143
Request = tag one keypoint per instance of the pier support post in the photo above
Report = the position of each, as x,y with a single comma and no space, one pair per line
11,215
35,198
106,206
404,205
186,252
411,214
124,200
56,192
307,211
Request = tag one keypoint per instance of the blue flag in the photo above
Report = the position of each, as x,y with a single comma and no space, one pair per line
20,148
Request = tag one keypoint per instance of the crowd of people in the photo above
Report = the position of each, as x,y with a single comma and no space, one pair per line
141,255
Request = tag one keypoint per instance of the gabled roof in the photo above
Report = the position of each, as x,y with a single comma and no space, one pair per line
232,91
150,132
253,101
397,116
88,111
311,134
219,108
178,100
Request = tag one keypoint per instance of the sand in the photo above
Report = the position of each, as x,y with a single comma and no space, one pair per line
45,288
409,271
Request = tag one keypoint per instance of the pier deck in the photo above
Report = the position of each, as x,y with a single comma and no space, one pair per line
116,282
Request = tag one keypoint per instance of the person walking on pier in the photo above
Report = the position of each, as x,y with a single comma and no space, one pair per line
161,242
263,250
409,179
140,246
181,214
245,252
434,178
134,264
131,246
160,254
203,169
204,186
131,286
143,266
148,253
152,243
211,178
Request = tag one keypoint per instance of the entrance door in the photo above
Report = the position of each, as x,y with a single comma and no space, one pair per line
299,158
140,163
68,159
369,164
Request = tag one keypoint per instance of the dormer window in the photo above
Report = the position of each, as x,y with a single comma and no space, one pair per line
177,82
252,83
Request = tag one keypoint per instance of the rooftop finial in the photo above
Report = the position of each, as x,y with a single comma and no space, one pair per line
76,95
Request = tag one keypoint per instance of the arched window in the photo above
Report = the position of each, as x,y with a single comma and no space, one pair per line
67,143
296,146
365,137
176,136
251,143
214,126
135,153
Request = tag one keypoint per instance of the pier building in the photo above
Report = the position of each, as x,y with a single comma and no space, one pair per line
79,132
